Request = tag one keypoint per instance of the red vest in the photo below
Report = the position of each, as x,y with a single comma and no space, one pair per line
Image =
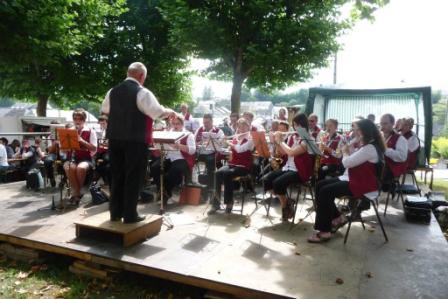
243,159
148,136
362,179
315,132
304,162
83,155
332,143
202,130
187,116
412,156
189,158
397,168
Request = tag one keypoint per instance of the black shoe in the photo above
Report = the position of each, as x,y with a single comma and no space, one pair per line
216,205
115,219
134,220
229,209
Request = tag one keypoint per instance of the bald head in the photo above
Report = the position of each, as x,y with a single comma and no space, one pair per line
137,70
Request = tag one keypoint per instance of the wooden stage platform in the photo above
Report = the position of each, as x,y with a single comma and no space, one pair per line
264,260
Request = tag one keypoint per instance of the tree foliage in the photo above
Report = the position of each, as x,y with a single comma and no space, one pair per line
73,51
139,34
262,43
39,35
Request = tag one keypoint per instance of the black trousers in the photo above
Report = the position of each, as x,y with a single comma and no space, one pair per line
225,175
279,180
48,164
128,161
210,166
175,171
326,210
329,170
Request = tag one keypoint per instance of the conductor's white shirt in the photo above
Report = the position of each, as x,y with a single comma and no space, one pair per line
146,102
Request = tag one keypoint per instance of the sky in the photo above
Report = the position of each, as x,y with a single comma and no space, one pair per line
406,45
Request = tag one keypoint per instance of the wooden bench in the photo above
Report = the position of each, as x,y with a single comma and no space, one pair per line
99,227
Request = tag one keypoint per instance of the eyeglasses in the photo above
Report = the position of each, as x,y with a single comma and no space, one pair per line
78,118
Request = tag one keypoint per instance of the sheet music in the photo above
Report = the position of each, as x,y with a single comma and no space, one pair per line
167,136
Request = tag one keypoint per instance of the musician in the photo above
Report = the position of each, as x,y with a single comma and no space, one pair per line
179,160
282,114
102,160
80,161
190,124
351,136
234,116
361,179
314,128
371,117
128,105
331,143
209,140
396,152
413,142
249,116
278,157
240,164
297,169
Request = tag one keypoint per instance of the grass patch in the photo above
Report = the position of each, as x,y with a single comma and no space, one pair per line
21,280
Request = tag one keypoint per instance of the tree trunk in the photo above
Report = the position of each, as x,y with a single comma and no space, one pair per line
235,99
238,79
41,109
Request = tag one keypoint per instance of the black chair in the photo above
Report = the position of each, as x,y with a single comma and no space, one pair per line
357,206
246,187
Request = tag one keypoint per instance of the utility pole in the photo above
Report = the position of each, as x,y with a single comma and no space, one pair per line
335,68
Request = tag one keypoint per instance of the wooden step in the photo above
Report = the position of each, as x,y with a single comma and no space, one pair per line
100,227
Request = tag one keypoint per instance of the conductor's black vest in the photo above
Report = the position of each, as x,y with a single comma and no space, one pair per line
126,121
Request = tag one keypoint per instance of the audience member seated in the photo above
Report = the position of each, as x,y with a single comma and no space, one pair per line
297,169
240,163
9,150
37,147
179,160
15,145
363,172
78,165
209,140
396,152
331,143
28,155
3,157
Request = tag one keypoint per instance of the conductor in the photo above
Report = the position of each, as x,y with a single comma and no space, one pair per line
129,106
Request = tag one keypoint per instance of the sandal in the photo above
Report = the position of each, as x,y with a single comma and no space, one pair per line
318,238
74,200
340,223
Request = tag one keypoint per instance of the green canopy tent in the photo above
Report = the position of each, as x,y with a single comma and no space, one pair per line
346,104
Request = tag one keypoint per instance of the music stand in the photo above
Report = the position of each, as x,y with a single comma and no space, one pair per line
162,138
69,141
260,143
212,139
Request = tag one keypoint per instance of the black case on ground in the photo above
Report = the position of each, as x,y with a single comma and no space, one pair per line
418,209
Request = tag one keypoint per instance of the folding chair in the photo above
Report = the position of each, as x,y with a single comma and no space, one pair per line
358,205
